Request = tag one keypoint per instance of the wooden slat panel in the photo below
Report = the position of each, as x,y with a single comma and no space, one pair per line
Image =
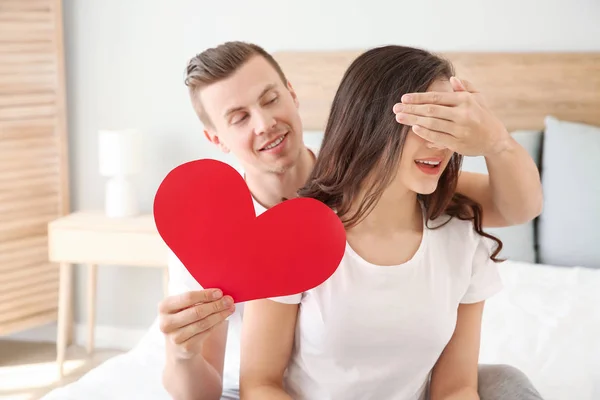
12,211
29,16
34,225
42,184
21,77
27,322
20,88
17,254
28,191
51,162
32,158
521,88
33,111
44,213
26,31
27,24
10,157
46,275
28,290
36,35
28,305
23,259
25,5
13,100
34,173
25,68
27,58
16,245
29,128
19,144
43,46
35,303
17,276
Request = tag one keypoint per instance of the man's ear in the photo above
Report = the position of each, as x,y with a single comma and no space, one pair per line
293,93
214,139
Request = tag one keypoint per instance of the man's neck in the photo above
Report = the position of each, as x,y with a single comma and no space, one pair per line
269,188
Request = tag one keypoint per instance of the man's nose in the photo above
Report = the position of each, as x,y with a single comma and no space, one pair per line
264,122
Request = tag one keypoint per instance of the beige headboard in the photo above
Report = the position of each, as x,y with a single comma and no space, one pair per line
521,88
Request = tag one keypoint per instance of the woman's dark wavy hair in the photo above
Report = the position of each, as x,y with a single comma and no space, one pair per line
363,140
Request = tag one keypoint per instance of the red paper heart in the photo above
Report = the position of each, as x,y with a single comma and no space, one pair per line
204,212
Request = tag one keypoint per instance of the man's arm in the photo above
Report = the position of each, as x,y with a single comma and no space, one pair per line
198,377
195,328
512,192
267,340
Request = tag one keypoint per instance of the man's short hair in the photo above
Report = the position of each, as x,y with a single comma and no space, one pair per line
218,63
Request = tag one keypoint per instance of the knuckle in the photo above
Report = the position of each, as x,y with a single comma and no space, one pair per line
199,312
186,346
464,115
177,338
203,325
216,306
435,98
164,305
470,115
205,295
226,313
431,135
187,298
163,325
430,110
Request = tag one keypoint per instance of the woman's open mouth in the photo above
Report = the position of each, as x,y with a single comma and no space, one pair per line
429,166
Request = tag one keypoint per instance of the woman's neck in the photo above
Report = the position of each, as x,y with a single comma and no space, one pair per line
397,210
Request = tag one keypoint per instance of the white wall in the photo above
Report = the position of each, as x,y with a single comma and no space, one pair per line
125,63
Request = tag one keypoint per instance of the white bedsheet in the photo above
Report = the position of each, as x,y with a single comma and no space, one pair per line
546,322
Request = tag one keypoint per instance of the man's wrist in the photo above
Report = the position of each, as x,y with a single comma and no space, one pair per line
505,145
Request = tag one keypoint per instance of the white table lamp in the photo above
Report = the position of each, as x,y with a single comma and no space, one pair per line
120,153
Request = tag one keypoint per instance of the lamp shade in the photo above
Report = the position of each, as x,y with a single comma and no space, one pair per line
120,152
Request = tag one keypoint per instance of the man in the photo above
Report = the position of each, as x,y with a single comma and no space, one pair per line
249,108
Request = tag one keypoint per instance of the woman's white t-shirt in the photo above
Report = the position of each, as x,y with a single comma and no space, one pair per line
375,332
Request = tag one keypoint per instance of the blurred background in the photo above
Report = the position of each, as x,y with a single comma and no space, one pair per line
70,70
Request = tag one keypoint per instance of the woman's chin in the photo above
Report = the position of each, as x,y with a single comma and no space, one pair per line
425,188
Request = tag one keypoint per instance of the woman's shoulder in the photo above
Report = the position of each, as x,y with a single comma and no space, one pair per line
450,225
453,233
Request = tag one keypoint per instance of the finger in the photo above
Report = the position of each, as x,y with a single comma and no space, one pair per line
173,304
457,85
193,345
434,124
468,86
426,110
204,325
439,98
435,137
434,146
195,313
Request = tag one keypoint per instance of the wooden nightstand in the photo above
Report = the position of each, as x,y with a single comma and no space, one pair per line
92,238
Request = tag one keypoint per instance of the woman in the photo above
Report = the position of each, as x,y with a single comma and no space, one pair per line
401,316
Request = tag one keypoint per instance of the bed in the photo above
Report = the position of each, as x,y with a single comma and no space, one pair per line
547,320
